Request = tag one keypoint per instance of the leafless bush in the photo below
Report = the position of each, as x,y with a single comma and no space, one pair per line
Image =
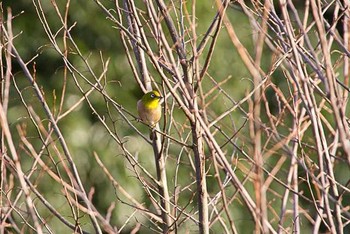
274,160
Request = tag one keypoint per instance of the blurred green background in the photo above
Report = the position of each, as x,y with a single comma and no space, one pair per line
98,41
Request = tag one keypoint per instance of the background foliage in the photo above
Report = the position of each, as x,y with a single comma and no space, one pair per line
255,132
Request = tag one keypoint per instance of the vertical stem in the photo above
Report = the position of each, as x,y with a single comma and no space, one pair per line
197,134
4,89
260,190
202,194
162,181
294,164
346,36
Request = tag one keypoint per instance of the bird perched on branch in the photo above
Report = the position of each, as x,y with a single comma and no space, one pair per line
149,108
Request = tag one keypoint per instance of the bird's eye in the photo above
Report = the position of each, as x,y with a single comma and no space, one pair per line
152,95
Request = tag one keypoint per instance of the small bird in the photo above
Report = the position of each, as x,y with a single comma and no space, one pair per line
149,108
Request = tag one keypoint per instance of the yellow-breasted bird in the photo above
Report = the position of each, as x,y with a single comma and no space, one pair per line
149,108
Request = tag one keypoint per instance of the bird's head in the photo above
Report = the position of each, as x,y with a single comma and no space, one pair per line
151,99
